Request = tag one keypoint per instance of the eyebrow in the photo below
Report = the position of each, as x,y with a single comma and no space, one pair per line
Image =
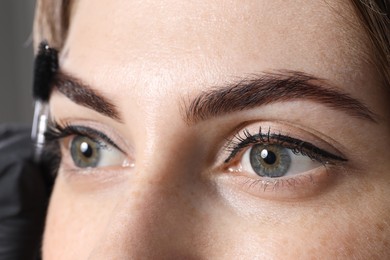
82,94
271,87
258,90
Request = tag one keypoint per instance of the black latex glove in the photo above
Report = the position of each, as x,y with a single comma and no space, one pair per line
23,196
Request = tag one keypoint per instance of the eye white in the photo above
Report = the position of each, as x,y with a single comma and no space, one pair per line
111,156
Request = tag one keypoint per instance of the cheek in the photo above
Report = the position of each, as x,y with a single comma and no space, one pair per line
351,223
340,226
358,230
354,237
346,236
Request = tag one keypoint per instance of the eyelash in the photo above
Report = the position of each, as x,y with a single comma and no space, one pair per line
245,139
235,146
56,132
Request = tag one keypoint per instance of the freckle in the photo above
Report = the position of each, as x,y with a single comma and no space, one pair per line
135,194
368,188
349,252
323,242
380,227
285,242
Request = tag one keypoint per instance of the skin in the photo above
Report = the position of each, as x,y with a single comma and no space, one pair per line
177,200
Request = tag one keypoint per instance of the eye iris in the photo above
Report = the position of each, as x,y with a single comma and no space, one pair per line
85,152
270,160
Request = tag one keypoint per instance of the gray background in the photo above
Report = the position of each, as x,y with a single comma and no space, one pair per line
16,60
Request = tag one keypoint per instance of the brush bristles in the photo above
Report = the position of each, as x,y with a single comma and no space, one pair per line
46,64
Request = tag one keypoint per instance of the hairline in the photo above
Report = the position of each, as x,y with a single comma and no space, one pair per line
53,19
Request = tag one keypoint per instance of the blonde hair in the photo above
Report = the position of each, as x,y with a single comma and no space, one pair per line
51,23
52,20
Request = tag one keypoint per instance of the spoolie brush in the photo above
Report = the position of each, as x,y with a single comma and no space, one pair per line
46,65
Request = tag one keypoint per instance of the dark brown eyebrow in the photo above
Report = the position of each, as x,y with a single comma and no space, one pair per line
245,94
271,87
84,95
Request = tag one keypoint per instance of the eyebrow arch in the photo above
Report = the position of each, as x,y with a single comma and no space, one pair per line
82,94
271,87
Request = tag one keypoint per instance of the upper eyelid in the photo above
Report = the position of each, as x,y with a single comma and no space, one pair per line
69,129
96,135
249,140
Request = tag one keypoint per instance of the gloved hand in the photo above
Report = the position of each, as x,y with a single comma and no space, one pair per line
24,194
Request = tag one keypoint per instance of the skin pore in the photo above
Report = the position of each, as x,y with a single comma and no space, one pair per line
166,190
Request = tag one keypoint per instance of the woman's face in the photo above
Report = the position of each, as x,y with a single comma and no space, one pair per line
219,129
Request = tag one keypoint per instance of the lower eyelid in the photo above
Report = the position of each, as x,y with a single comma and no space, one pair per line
300,186
93,179
74,173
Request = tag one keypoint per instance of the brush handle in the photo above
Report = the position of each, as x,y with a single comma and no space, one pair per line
40,121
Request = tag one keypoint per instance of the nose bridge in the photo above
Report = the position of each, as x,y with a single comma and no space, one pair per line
154,214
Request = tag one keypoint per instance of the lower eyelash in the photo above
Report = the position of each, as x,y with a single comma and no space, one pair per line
239,142
275,184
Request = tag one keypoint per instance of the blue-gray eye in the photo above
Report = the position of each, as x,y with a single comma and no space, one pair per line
274,161
85,152
270,160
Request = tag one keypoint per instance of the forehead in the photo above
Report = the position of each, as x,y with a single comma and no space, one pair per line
192,43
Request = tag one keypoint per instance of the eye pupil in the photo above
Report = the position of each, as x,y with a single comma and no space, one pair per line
269,157
86,149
